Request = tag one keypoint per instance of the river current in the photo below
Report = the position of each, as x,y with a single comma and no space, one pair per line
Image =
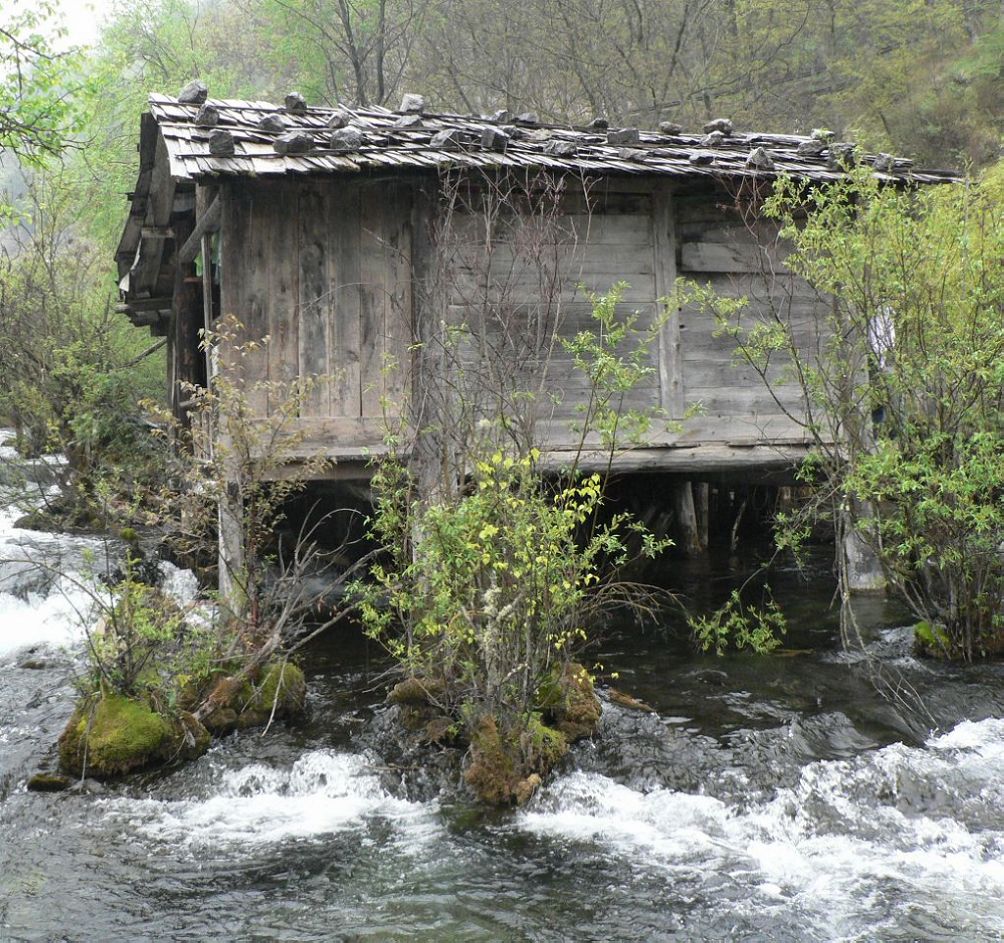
778,798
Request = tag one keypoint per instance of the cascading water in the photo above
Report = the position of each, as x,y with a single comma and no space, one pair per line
763,799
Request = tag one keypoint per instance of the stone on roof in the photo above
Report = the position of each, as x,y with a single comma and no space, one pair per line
377,143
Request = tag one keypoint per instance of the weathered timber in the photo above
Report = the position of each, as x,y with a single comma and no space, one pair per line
208,222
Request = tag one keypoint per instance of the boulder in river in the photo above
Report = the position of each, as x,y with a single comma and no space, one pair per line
113,735
237,703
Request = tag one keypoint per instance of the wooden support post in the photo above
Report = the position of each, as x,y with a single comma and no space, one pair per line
186,320
232,581
688,538
858,561
702,507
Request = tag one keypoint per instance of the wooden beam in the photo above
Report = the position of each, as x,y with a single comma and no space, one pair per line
208,222
670,351
144,304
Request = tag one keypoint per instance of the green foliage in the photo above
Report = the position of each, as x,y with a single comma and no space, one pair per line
35,115
142,643
903,383
241,444
487,588
736,625
493,592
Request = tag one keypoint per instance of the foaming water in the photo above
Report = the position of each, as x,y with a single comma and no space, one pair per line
855,843
775,799
323,792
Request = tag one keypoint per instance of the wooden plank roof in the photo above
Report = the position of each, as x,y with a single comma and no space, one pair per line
175,153
391,139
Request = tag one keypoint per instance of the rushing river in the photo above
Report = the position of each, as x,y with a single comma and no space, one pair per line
776,798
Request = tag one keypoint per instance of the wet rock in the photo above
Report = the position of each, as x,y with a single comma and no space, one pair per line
713,677
842,155
208,116
274,123
574,708
412,104
449,139
296,104
115,735
294,143
439,729
36,664
623,699
560,148
194,93
236,703
48,782
720,125
506,768
221,144
714,139
339,119
761,159
220,721
623,137
884,163
416,692
811,148
492,139
701,158
346,139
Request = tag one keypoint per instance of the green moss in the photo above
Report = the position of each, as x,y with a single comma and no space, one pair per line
493,770
506,767
416,692
543,746
284,685
569,702
114,735
48,782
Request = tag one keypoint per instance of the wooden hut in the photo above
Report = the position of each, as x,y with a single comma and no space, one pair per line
318,228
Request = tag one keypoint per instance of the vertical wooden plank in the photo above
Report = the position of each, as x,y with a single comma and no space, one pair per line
397,330
281,242
186,319
316,301
344,223
253,273
377,208
670,353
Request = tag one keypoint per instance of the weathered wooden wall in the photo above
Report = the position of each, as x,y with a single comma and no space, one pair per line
322,267
325,267
716,247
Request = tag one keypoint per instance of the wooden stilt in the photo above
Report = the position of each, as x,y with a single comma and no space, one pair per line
688,539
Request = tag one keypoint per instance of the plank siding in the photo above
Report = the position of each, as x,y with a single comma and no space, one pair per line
316,301
326,267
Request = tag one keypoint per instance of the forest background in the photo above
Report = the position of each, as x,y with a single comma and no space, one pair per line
919,78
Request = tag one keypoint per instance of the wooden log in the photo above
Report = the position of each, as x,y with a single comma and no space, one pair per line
687,533
186,320
208,222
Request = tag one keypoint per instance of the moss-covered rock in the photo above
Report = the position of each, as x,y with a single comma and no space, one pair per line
113,735
48,782
507,767
415,692
236,703
571,704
